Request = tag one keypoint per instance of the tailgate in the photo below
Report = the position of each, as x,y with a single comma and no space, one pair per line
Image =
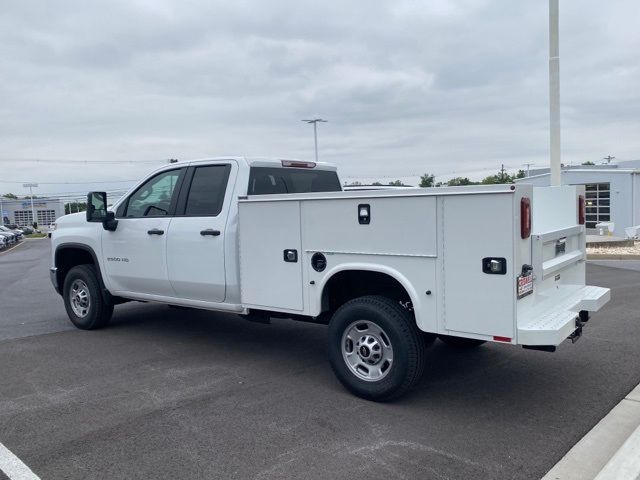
551,312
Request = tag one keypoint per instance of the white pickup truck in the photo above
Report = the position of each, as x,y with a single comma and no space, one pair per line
387,270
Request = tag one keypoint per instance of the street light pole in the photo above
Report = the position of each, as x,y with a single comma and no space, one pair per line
554,93
33,211
315,132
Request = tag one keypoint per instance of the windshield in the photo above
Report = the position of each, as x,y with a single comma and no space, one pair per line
266,181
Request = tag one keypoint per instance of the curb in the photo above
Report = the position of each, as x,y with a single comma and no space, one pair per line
612,256
626,462
610,450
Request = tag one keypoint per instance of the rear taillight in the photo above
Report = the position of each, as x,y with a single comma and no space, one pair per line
581,209
525,217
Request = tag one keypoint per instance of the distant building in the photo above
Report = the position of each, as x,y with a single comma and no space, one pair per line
19,211
612,191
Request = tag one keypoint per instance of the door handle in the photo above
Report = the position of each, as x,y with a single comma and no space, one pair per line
155,231
210,231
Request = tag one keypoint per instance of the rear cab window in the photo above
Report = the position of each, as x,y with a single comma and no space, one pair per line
273,180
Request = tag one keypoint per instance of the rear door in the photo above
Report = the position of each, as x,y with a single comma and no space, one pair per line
196,239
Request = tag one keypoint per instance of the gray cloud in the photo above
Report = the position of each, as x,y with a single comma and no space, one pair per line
408,86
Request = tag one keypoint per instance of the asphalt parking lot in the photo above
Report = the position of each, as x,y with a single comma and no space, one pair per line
167,393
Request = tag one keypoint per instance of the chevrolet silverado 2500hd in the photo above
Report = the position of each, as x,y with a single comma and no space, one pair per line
387,270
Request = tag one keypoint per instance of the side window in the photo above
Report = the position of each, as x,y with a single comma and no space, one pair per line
206,193
153,198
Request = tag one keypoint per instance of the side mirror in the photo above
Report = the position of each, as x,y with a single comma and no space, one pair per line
96,207
97,211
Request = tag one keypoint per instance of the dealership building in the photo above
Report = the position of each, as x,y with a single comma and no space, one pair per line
612,191
21,212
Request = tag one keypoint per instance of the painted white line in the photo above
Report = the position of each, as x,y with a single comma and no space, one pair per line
13,467
15,246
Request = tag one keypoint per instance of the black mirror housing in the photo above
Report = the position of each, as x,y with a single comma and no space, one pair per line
96,207
110,223
97,211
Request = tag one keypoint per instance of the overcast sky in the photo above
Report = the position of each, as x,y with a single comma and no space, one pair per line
443,86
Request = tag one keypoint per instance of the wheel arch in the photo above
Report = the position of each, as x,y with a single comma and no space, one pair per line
69,255
379,280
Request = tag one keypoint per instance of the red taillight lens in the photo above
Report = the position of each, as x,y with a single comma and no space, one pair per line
297,164
581,209
525,217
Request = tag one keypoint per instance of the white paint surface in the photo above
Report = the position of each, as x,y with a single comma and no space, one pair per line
13,467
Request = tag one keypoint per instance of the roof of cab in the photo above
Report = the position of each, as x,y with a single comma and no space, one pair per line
256,162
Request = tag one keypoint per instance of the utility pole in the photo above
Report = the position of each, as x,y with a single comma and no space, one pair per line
502,173
554,92
33,210
609,158
527,165
1,211
315,132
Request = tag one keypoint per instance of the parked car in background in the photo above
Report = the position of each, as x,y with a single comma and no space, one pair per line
3,243
27,230
9,237
18,233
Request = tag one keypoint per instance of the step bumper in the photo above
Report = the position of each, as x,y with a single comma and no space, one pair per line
553,320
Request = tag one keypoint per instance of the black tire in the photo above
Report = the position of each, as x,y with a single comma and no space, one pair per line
398,326
461,342
98,312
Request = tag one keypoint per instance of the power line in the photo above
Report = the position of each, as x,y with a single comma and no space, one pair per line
88,182
84,162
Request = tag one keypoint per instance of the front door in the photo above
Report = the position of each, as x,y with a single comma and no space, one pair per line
134,255
196,240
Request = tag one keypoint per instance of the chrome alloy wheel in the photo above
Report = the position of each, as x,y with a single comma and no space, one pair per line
80,298
367,350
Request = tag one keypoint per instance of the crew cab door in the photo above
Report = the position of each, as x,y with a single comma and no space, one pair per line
134,255
196,239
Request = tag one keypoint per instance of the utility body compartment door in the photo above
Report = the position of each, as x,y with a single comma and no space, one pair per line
268,278
478,227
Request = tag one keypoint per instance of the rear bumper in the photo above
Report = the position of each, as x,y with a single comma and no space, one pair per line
53,276
553,319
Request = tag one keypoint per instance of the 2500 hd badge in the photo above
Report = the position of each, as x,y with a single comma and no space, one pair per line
117,259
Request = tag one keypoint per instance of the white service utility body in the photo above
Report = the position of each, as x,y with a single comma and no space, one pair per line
439,244
388,270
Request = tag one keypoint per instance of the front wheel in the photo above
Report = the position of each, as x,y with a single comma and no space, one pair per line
83,299
375,348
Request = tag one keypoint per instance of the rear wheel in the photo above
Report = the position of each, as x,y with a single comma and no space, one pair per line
83,299
375,348
461,342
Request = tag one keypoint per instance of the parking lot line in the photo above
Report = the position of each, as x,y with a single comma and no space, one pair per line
13,467
15,246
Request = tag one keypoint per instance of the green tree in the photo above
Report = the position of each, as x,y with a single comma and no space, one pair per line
10,195
74,207
396,183
501,177
377,184
459,181
588,163
427,180
521,174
